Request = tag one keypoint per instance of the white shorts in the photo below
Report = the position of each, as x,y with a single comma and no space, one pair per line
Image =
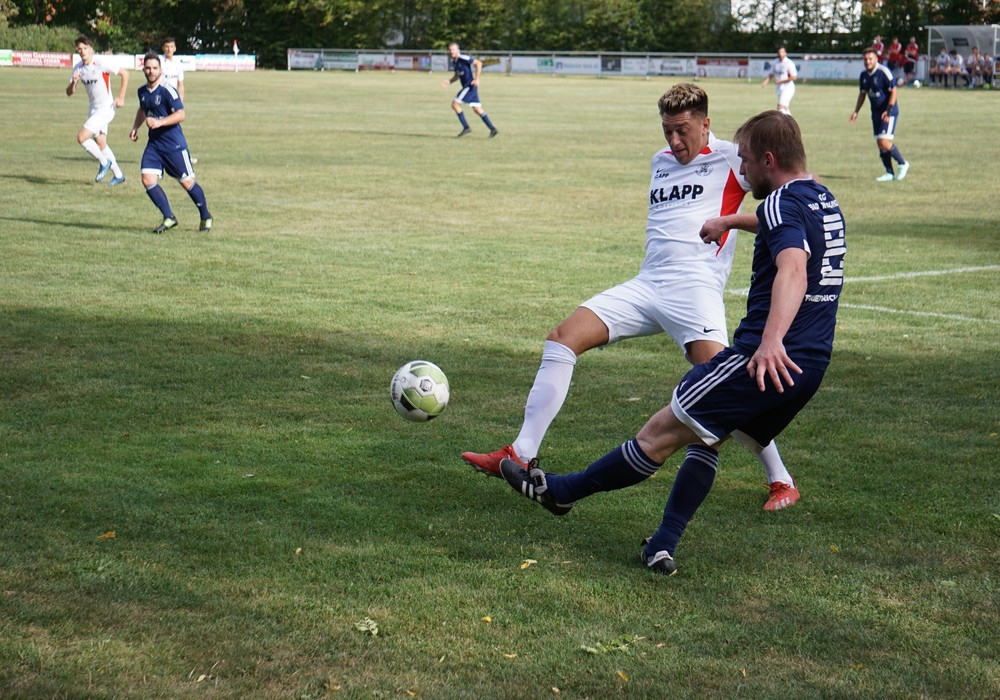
97,122
687,310
785,92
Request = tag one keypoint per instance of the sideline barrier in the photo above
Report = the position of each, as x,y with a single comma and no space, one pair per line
600,64
205,62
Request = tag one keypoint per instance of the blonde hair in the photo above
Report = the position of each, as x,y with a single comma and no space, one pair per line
684,97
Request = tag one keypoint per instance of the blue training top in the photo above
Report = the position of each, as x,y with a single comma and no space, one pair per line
801,214
161,102
878,84
463,66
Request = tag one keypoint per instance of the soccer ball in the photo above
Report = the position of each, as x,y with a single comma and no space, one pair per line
916,83
419,391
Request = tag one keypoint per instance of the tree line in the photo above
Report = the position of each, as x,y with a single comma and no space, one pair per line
268,28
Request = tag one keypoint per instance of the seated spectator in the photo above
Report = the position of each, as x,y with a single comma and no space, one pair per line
910,57
974,69
894,59
988,71
939,68
879,49
956,68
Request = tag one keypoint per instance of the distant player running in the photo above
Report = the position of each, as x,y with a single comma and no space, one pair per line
467,70
96,77
878,85
162,110
784,74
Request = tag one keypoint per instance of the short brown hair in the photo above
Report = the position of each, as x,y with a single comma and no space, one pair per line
152,55
776,133
684,97
870,50
83,39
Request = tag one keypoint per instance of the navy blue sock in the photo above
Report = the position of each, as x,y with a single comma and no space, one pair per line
691,485
486,121
197,196
461,118
896,155
624,466
159,198
886,160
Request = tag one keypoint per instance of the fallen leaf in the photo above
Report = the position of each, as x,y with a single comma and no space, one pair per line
411,693
743,671
298,551
833,548
304,376
555,690
661,644
368,626
510,656
107,535
527,563
487,618
201,678
623,676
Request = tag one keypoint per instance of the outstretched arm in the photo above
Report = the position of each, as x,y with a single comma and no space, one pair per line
857,105
714,229
120,100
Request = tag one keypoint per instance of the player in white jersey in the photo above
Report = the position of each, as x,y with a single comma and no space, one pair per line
96,75
678,289
173,71
784,74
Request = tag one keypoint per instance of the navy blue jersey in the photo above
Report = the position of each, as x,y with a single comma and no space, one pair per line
463,66
878,84
161,102
801,214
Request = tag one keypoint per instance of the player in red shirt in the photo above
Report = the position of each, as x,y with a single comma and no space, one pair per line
911,54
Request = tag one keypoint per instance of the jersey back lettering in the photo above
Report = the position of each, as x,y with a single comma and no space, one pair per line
802,214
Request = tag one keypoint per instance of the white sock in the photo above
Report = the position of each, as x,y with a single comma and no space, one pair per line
545,398
107,153
768,457
91,147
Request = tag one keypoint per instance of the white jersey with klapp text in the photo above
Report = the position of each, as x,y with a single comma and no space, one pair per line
173,72
96,79
681,199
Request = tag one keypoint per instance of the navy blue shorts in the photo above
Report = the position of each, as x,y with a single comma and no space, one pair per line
884,130
175,163
469,95
720,396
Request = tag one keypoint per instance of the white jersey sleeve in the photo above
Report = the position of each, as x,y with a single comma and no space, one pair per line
681,199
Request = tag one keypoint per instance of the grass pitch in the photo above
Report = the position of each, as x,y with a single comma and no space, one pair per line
220,404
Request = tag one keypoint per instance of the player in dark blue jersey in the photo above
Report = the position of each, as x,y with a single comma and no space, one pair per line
467,70
161,109
878,85
777,361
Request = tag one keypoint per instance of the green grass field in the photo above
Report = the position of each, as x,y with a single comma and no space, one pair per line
220,403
